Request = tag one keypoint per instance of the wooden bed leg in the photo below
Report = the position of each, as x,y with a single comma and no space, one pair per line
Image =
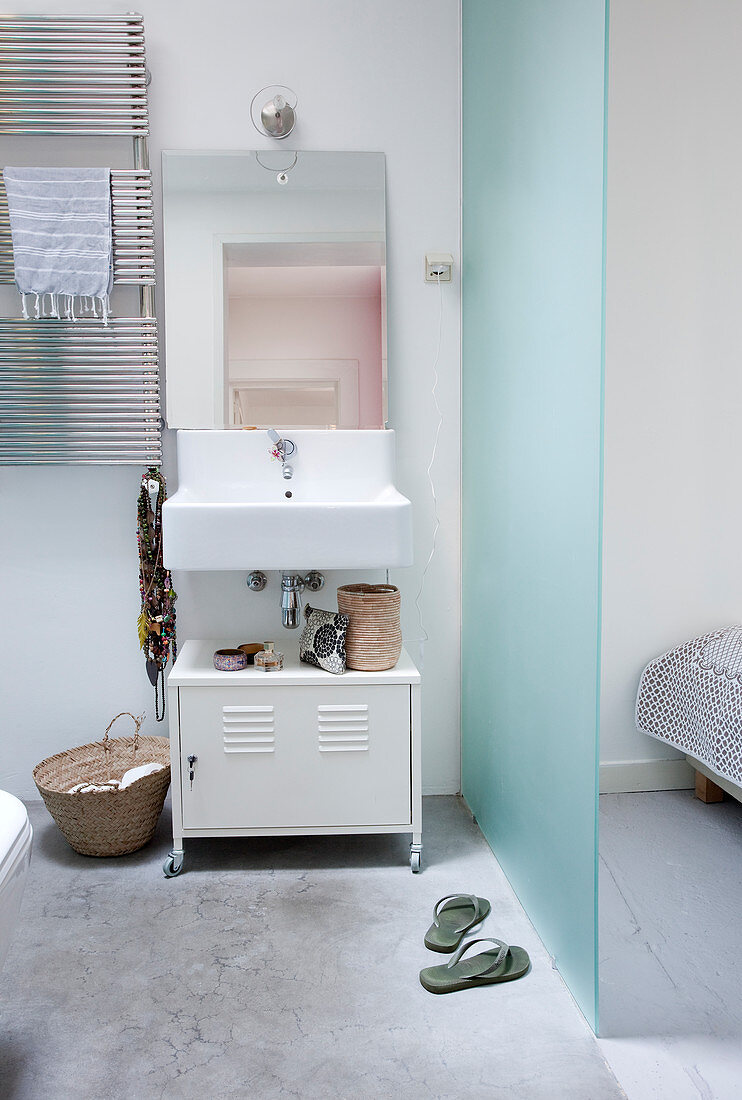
707,790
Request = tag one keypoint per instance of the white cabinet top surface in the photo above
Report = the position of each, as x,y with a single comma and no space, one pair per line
195,668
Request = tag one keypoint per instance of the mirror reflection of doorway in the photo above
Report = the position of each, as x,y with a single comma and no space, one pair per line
304,334
295,393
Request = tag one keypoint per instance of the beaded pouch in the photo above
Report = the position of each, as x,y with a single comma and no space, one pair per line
322,641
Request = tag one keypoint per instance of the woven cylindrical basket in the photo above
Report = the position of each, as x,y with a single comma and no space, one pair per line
374,639
106,823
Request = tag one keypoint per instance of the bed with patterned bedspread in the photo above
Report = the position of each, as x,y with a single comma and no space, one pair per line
691,698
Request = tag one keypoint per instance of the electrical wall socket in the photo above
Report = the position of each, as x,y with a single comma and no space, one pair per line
438,267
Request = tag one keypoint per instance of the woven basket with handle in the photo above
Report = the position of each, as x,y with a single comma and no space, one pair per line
374,639
106,823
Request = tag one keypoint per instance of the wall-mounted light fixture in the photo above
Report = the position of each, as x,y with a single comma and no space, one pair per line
273,110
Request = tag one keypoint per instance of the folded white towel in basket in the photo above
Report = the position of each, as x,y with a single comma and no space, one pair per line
85,788
60,221
114,784
138,773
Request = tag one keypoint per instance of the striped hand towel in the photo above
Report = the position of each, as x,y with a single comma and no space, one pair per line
60,221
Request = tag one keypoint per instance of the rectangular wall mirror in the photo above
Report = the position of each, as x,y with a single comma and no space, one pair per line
275,289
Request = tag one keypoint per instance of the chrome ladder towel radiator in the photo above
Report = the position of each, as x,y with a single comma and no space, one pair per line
82,392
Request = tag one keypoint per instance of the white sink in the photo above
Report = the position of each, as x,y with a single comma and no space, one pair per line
234,510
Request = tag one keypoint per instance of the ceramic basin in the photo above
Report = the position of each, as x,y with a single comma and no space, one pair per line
234,510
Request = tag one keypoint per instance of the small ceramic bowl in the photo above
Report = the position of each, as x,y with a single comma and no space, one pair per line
230,660
250,649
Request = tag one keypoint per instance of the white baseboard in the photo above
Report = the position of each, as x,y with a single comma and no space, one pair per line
625,776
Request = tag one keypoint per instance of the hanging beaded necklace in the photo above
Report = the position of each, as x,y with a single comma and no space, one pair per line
156,621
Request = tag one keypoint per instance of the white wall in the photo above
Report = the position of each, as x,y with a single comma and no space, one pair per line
673,460
69,569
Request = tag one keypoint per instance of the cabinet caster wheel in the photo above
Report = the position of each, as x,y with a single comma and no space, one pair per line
173,865
415,861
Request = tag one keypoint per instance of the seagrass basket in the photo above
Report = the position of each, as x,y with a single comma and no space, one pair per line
374,639
113,822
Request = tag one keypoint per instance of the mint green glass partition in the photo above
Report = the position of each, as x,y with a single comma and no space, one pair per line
533,169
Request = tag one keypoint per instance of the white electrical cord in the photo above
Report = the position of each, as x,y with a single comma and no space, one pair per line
424,636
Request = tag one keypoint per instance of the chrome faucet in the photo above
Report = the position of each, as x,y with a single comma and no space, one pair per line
284,448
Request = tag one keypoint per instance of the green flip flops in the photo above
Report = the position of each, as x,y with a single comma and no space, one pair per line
503,964
453,917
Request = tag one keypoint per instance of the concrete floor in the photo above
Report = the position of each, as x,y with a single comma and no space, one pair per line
671,945
277,968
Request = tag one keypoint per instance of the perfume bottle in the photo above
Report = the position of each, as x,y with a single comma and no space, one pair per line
267,660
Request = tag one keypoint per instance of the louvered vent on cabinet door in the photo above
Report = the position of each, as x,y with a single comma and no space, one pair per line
342,727
249,729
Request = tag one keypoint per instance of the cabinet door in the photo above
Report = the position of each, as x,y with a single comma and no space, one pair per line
296,756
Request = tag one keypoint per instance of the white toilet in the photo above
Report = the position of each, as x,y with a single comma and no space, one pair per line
15,855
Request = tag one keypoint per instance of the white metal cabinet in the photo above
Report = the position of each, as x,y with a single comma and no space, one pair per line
295,751
295,756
